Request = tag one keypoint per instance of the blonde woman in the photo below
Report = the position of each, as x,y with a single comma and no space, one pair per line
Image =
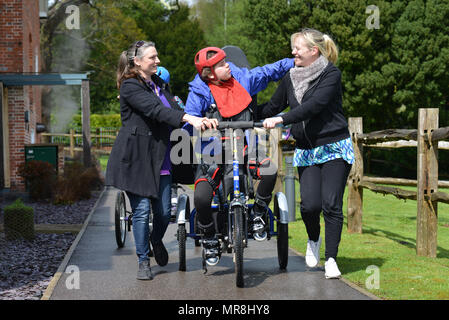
324,152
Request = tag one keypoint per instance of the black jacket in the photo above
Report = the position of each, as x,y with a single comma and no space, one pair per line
139,149
319,119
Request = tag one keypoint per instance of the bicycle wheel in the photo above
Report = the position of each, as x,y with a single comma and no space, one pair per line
281,213
182,246
120,219
239,237
282,244
183,214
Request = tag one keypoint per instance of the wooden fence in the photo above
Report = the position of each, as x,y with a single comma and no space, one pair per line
100,138
427,139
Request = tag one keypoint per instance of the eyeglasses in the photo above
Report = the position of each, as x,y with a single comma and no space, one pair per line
138,45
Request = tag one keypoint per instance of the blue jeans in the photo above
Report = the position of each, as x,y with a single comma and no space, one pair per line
141,208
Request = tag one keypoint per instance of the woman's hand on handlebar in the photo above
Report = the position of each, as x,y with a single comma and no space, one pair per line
210,123
200,123
270,123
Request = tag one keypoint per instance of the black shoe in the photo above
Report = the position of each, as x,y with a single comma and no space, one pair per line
160,254
144,272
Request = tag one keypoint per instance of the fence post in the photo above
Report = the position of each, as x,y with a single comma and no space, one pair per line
276,156
355,192
85,101
72,143
427,211
289,183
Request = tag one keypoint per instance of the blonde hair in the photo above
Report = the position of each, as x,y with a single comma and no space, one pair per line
326,46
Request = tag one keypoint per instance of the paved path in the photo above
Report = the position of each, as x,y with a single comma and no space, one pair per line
107,272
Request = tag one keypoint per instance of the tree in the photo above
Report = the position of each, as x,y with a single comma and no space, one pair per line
55,16
107,39
420,64
176,50
363,53
144,20
107,28
387,73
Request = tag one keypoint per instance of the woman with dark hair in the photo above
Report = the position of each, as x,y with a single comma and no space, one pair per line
140,159
324,152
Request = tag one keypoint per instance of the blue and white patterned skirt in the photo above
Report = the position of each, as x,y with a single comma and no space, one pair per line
309,157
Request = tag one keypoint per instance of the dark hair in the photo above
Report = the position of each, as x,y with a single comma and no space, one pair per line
126,68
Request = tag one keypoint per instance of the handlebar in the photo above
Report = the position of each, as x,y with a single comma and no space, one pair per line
239,124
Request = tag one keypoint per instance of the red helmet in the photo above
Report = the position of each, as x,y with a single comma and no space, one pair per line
201,60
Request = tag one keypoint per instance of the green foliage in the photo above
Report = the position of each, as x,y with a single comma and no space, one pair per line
397,68
109,27
109,31
387,73
270,24
99,121
177,41
19,221
124,22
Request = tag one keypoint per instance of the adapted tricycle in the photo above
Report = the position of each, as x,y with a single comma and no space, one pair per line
234,215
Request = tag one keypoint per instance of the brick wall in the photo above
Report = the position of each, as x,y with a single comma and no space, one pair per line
20,53
11,36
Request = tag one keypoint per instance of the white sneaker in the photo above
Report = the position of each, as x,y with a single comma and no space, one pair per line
331,270
313,253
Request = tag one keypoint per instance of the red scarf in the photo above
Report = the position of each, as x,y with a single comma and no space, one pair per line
231,98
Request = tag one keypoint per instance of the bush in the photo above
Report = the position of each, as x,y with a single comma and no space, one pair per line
19,221
99,120
76,183
40,177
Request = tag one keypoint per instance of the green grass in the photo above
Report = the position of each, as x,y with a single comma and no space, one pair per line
103,161
388,241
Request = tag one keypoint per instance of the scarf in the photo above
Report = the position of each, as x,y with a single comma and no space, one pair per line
230,96
302,76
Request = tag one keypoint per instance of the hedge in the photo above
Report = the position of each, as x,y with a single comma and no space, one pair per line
99,120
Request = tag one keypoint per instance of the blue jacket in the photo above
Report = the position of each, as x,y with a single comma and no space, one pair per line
254,81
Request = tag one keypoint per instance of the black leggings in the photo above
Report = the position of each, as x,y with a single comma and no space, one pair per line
322,187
